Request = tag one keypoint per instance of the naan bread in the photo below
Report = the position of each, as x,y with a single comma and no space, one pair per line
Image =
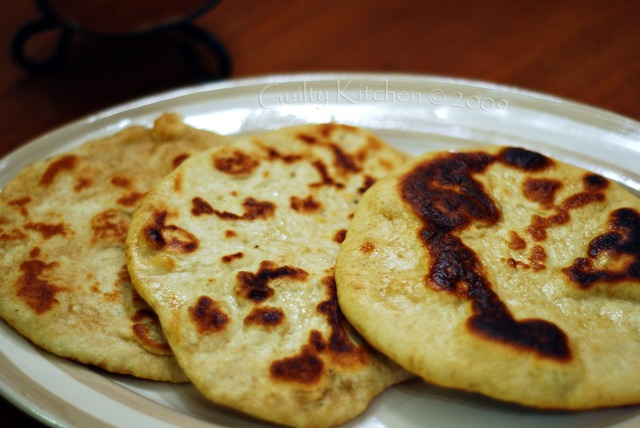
235,251
63,224
500,271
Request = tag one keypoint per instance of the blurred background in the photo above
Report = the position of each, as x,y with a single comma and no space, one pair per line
584,50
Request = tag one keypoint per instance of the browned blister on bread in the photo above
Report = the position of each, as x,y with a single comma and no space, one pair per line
500,271
63,225
235,251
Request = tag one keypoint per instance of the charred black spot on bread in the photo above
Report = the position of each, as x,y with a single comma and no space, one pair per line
305,368
13,234
257,210
253,210
539,336
339,341
367,183
367,247
317,341
256,286
265,316
20,204
581,199
178,181
121,181
142,314
82,183
340,235
622,239
177,161
524,159
274,154
624,235
38,293
516,242
144,322
208,315
446,197
306,138
323,171
561,213
154,233
538,258
231,257
200,207
170,237
539,225
124,278
593,182
445,192
343,162
541,190
109,225
325,177
64,163
235,162
326,129
130,199
48,230
306,205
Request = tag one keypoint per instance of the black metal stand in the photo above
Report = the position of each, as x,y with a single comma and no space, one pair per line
57,59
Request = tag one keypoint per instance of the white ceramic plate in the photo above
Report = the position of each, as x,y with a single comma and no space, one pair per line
415,113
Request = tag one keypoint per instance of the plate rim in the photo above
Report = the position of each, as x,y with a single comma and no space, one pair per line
247,81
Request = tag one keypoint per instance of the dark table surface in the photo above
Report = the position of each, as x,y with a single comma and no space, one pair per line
583,50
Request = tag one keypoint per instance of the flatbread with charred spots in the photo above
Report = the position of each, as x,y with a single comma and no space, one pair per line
501,271
63,223
235,251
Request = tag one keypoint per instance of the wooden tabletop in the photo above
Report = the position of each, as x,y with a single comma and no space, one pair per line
583,50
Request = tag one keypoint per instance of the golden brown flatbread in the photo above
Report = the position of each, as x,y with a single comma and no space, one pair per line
503,272
235,251
63,223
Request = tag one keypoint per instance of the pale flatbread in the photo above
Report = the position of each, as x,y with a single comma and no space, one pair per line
63,223
235,251
500,271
